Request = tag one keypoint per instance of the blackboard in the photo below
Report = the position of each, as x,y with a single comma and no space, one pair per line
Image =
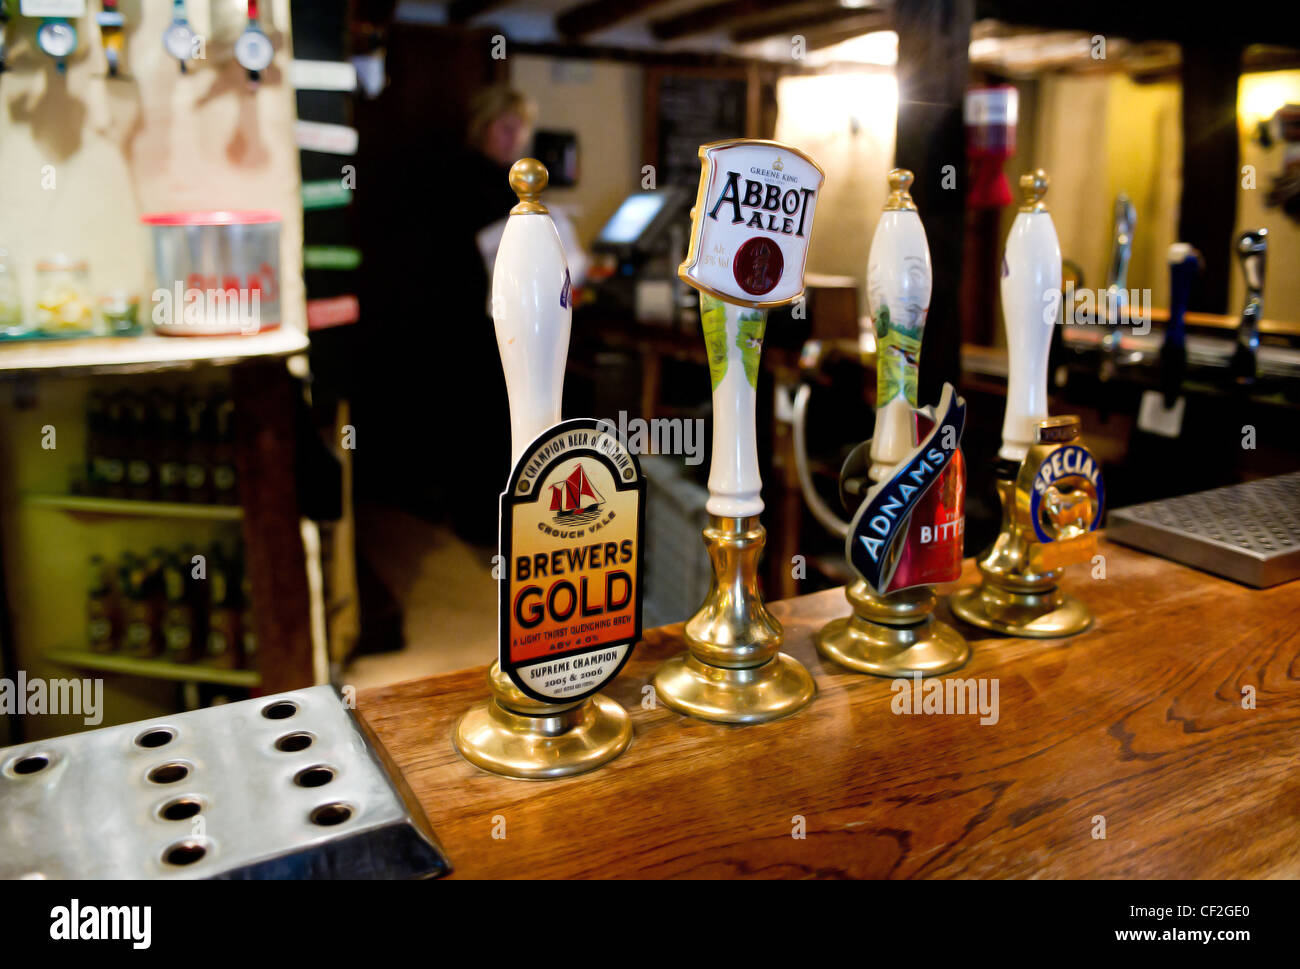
693,111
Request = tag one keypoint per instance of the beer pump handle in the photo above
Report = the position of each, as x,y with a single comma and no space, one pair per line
1184,263
1252,247
532,309
1117,283
1031,291
735,484
899,280
1121,246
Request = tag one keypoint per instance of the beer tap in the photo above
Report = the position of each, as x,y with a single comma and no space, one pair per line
1161,410
1050,486
522,731
906,485
178,38
748,248
111,35
1184,264
1252,247
57,37
1117,283
253,49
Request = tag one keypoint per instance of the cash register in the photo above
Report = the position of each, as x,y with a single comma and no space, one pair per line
636,254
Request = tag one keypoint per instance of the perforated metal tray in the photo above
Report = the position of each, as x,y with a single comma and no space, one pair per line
287,786
1248,532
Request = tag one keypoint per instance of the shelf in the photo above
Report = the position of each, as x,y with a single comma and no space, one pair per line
142,354
158,669
92,505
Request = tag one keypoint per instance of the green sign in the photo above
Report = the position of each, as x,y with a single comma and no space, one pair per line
330,193
331,257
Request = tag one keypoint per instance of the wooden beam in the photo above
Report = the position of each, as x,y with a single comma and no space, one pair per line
648,57
933,44
703,19
1151,20
266,408
802,23
587,18
1207,210
460,11
854,27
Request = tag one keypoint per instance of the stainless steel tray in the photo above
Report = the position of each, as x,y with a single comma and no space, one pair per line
1248,532
286,786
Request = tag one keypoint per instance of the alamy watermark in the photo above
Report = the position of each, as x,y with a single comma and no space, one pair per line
1100,307
950,695
659,435
75,922
32,696
220,310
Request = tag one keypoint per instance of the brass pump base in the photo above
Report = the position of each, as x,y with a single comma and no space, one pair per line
778,688
516,736
734,672
1017,596
893,635
1041,614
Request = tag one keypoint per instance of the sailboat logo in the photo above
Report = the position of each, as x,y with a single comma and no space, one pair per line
575,499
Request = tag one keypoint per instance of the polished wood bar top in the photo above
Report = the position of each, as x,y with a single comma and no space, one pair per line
1136,726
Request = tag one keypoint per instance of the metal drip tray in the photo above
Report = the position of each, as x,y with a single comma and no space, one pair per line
286,786
1248,532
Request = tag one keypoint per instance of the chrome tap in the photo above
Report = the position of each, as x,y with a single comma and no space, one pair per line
1252,247
1117,283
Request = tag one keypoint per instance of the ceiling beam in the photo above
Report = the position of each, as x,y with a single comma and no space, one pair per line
706,18
1151,20
594,15
820,40
460,11
805,24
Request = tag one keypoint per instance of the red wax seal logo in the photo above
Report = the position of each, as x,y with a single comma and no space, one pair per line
758,266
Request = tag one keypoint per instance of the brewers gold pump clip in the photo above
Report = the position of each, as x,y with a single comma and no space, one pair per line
749,243
1051,487
569,596
907,483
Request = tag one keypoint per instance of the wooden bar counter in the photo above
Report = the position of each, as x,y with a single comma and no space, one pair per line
1139,722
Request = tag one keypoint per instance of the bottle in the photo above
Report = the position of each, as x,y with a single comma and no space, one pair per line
140,636
169,425
178,613
113,440
196,594
224,484
96,420
198,480
223,614
139,462
102,619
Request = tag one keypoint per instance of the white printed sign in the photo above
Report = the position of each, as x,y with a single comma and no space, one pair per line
322,76
336,139
53,8
751,223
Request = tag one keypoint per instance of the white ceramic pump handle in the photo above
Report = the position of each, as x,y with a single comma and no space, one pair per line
1031,299
899,280
532,307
